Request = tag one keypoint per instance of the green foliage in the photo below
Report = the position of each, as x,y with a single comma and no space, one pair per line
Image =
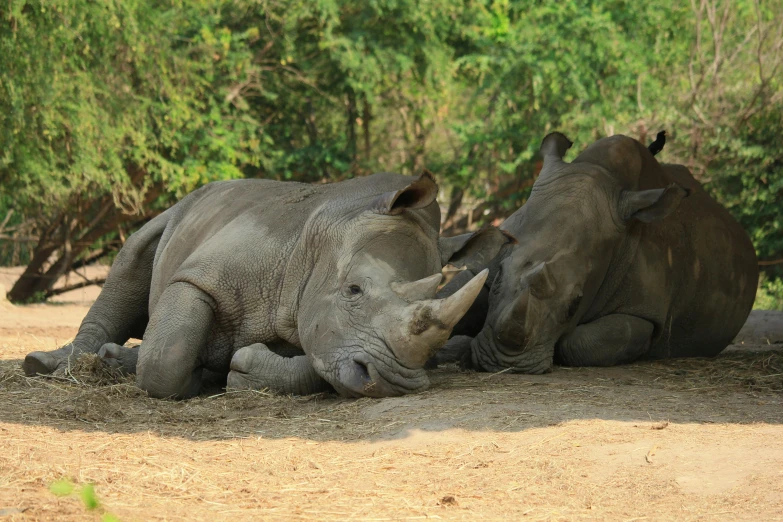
92,91
64,488
87,494
61,488
748,178
133,104
770,294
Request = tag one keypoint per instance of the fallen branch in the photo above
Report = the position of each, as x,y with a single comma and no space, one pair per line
58,291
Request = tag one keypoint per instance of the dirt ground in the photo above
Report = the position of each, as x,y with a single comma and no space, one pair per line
676,440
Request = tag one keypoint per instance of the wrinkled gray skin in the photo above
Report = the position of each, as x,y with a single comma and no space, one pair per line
619,258
295,287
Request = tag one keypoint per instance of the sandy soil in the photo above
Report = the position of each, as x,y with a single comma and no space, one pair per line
685,440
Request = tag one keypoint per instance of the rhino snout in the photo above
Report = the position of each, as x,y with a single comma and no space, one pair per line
489,355
365,375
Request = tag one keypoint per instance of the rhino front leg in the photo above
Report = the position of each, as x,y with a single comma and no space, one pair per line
169,363
120,312
256,367
610,340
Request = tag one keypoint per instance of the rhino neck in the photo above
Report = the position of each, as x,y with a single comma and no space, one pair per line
299,269
609,281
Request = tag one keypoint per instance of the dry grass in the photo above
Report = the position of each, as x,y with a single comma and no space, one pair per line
686,440
754,372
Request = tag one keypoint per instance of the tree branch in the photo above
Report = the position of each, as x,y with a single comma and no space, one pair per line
19,239
58,291
7,217
91,258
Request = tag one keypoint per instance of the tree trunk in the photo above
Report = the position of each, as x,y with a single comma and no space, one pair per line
420,144
33,280
351,110
366,116
37,282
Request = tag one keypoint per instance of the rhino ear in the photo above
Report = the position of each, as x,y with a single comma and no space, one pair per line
555,144
474,250
651,205
418,194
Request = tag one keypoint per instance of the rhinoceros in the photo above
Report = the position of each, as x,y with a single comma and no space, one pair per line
616,258
300,288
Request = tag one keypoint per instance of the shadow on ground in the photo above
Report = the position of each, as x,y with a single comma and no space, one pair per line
739,386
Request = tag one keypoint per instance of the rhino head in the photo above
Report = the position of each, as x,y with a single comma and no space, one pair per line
368,316
569,231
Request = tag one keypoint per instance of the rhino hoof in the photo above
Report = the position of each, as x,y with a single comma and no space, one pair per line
243,364
119,358
40,363
244,368
454,350
238,381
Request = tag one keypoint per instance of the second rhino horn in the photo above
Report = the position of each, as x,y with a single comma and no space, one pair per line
418,290
450,310
540,281
427,323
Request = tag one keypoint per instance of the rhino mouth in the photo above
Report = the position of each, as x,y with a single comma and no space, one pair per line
364,374
490,355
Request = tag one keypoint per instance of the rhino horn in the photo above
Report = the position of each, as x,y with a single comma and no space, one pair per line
447,312
418,290
430,321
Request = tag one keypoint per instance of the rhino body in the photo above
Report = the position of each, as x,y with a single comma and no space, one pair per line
618,258
301,288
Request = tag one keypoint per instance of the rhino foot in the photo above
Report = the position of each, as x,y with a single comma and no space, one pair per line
256,367
454,351
250,369
120,358
44,363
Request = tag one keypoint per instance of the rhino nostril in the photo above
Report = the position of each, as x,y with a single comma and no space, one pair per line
362,372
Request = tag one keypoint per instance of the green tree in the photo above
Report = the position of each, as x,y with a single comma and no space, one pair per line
108,108
112,111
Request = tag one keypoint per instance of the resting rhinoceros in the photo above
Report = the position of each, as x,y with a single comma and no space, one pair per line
618,258
284,285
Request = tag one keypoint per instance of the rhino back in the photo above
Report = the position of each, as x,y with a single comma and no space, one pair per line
693,274
219,225
715,271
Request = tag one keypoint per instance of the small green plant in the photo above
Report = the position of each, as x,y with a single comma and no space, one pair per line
88,496
61,488
37,297
64,488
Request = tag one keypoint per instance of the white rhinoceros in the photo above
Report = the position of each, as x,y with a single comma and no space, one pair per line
617,257
278,284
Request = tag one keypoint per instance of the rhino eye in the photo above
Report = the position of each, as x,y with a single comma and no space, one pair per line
354,290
